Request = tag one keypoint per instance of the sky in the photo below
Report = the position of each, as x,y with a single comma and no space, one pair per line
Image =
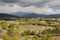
33,6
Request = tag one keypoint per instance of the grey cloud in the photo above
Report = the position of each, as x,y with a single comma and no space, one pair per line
37,3
55,5
9,1
0,0
41,3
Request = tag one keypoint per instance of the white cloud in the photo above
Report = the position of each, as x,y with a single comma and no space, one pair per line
8,9
15,8
37,10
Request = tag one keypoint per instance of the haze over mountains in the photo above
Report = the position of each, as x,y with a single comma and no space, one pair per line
4,15
27,15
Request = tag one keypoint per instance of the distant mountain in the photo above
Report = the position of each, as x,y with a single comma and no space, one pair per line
4,15
26,14
20,13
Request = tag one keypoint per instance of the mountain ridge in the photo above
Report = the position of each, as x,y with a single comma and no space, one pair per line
5,15
28,15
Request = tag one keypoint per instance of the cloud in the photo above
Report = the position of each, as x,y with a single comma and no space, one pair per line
10,8
9,1
55,4
35,6
30,1
25,3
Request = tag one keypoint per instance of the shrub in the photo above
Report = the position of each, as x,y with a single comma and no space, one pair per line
56,31
12,29
39,34
47,31
11,38
35,37
33,33
4,25
28,32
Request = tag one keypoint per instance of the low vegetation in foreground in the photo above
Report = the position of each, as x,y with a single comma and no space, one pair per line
30,29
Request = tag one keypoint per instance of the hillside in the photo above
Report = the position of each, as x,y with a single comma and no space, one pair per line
4,15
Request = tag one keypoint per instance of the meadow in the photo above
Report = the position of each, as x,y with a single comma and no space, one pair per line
30,29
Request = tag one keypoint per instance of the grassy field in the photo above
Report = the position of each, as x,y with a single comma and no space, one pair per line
30,29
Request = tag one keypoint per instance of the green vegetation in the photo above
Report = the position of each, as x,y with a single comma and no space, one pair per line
49,31
30,29
4,25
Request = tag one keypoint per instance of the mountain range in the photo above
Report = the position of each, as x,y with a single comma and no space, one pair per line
5,15
28,15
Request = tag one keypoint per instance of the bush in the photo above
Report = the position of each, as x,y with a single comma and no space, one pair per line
28,32
47,31
35,37
56,31
47,37
11,38
33,33
4,25
39,34
12,30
